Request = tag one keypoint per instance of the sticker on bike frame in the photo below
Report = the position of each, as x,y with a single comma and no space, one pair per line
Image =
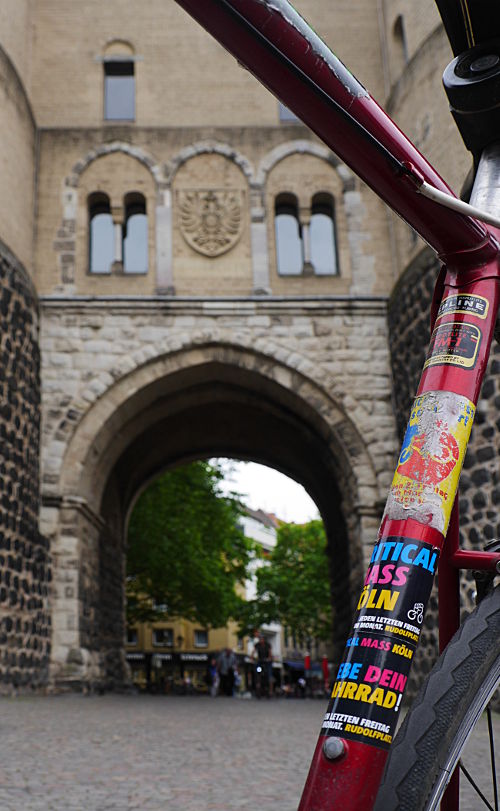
431,458
464,303
454,343
367,693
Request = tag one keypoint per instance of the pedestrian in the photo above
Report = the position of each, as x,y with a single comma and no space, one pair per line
213,676
325,669
263,657
226,665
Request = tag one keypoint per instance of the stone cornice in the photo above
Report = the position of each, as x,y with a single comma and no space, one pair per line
250,305
77,503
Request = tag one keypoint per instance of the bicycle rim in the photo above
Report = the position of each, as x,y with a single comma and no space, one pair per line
435,732
464,732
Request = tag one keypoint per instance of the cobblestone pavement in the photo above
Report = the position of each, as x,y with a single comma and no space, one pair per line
122,753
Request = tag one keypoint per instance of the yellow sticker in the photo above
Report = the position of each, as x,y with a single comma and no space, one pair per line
431,458
464,303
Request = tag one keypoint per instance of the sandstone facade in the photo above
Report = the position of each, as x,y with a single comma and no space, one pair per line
255,378
208,349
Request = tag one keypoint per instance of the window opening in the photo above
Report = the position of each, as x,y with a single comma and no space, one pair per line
163,637
132,636
135,235
286,115
101,234
119,90
401,43
201,639
322,236
288,233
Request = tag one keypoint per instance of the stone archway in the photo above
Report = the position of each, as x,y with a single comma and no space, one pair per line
214,399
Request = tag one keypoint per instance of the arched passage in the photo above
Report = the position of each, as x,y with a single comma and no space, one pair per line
212,400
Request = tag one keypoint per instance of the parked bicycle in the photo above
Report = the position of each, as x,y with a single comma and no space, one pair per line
263,668
272,40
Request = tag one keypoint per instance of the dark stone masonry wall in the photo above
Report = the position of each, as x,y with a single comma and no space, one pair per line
409,333
24,555
111,596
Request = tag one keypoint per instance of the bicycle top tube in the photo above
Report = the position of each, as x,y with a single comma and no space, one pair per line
273,41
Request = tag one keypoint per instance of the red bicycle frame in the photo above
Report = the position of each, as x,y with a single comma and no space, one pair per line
276,45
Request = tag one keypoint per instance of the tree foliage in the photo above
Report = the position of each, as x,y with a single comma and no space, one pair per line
185,549
293,585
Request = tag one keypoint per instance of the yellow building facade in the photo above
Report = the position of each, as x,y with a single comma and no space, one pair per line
173,657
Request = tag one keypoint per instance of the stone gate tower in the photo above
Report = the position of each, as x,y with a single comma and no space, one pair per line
187,272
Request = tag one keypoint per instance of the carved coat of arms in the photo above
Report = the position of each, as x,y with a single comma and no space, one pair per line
211,220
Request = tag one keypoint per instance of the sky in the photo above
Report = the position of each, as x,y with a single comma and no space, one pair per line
264,488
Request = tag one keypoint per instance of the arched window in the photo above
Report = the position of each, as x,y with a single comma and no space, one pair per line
400,42
289,251
135,234
322,236
101,234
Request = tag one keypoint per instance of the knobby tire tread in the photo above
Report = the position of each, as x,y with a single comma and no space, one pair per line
434,720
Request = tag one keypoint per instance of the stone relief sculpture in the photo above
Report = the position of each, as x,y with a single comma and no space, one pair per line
211,220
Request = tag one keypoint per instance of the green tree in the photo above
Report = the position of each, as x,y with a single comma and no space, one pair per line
185,549
293,585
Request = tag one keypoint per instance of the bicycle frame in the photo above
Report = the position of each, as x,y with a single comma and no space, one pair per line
276,45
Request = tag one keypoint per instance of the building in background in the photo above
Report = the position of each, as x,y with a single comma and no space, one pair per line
174,655
298,664
262,528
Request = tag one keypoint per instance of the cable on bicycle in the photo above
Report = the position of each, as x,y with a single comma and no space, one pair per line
455,204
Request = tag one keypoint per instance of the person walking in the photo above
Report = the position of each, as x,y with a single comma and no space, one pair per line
226,665
263,667
212,677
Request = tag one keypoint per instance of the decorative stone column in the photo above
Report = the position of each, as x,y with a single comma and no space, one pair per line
258,233
163,239
118,216
305,226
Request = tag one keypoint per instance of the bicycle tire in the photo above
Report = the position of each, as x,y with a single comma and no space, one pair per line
434,733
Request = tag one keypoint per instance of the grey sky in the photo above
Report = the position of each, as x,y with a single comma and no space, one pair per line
266,489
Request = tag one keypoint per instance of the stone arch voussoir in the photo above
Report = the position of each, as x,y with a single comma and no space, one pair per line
110,391
303,147
72,180
207,148
92,499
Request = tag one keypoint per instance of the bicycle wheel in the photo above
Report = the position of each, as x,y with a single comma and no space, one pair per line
434,733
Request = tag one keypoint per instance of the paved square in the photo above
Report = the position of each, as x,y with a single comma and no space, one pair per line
159,753
122,753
